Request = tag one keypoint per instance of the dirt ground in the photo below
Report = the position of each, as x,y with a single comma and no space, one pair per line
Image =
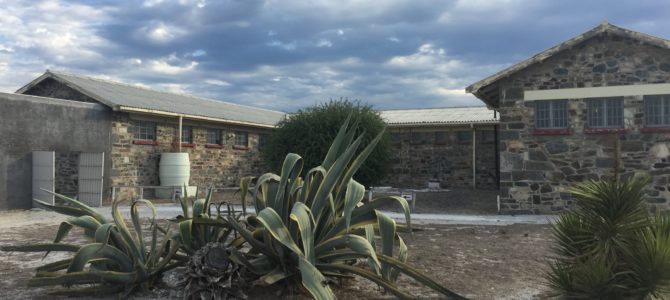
479,262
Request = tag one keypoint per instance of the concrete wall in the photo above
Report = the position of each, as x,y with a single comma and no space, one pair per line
29,123
538,168
442,154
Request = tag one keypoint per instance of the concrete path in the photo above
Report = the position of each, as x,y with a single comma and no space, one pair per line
171,210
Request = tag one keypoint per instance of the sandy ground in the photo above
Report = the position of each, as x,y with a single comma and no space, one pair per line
477,261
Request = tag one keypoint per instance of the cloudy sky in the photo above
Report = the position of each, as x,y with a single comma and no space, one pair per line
285,55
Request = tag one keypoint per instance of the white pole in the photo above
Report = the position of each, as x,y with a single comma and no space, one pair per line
180,124
474,157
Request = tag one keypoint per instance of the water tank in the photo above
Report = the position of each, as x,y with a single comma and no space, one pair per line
174,169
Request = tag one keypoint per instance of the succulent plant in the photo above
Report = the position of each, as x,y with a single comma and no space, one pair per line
210,274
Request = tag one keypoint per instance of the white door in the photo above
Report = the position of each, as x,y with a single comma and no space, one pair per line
91,168
44,173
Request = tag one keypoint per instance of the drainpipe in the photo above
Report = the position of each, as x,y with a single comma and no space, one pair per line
179,131
474,156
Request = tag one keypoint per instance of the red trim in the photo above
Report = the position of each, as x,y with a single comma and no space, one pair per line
557,131
188,145
239,147
655,129
145,142
604,130
214,146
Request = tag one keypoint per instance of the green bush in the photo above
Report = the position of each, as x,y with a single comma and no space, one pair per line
310,132
312,227
609,247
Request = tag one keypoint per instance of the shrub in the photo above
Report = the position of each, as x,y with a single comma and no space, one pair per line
609,247
316,227
310,132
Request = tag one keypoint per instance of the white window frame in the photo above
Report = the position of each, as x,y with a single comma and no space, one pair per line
144,130
210,132
187,134
659,111
556,114
242,138
604,112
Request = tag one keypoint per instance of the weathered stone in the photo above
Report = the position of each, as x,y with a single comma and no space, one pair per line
546,189
599,68
555,147
664,67
539,166
537,154
605,162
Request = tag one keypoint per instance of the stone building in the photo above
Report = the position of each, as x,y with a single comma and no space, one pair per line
222,139
593,107
449,146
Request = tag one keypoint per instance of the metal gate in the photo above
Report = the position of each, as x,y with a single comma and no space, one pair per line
44,174
91,168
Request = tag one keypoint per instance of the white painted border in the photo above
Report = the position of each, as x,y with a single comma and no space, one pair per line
595,92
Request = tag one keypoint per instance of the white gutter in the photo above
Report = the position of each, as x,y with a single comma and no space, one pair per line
192,117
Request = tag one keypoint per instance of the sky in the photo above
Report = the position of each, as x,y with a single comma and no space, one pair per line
286,55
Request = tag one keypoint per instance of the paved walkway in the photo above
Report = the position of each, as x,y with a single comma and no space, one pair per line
171,210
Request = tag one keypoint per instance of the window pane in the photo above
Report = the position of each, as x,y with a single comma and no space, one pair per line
187,134
213,136
542,115
241,139
143,130
464,136
262,141
418,138
657,110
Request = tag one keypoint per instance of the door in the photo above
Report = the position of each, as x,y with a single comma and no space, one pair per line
90,178
44,174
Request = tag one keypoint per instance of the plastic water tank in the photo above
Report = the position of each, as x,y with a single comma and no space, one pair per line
174,169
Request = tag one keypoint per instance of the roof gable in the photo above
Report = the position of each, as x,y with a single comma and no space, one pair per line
121,96
486,89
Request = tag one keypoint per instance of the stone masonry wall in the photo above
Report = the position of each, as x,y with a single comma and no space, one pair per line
67,173
138,164
537,170
438,154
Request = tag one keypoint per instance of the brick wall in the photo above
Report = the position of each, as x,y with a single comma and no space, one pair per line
442,154
537,170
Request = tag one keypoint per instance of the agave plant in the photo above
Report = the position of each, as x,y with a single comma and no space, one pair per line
210,274
316,227
199,225
115,259
609,247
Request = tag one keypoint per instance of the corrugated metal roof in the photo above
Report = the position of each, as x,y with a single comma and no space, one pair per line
440,116
117,94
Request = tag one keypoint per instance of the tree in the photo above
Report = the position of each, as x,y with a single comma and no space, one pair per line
309,132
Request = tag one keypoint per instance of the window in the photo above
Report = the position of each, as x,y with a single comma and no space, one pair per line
213,136
144,130
241,139
418,138
488,136
396,138
262,141
187,134
464,136
605,113
441,137
551,114
657,111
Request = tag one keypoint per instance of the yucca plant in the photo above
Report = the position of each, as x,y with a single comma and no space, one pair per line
312,228
114,259
609,247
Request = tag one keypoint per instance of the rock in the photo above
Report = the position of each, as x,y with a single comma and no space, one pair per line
555,147
600,68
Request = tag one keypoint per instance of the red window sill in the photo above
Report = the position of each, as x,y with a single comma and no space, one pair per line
559,131
188,145
604,130
145,142
655,129
238,147
213,146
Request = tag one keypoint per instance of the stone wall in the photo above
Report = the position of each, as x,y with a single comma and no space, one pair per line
537,170
67,173
135,164
443,155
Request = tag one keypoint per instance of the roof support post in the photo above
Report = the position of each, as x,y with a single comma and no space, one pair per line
179,133
474,157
